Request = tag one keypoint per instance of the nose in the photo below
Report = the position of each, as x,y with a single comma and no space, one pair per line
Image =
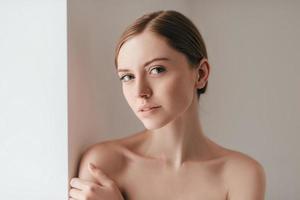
142,89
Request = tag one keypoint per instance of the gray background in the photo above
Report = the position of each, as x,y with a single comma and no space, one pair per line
252,101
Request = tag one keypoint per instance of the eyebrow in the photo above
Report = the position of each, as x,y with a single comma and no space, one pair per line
146,63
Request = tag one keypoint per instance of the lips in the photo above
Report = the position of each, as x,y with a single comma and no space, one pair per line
147,107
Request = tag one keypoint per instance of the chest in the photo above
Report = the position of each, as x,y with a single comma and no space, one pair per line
193,183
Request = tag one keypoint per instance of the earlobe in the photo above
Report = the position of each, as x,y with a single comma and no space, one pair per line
199,83
201,71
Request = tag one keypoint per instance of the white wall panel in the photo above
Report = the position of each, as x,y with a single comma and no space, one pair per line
33,100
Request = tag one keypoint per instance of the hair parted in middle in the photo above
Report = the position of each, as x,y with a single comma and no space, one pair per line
179,32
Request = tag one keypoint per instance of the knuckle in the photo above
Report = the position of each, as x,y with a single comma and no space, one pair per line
71,192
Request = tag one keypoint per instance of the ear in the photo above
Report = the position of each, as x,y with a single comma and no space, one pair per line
202,73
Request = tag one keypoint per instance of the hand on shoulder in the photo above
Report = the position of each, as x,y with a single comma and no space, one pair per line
104,155
98,165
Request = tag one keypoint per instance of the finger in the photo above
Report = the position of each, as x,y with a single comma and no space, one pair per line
100,175
80,183
76,194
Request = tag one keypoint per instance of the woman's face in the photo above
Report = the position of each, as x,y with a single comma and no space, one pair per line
168,79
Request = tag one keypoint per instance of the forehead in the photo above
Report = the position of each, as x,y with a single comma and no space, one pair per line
144,47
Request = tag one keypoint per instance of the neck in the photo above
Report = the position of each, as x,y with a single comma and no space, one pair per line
179,141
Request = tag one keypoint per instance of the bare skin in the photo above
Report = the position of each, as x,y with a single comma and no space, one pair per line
151,177
172,158
221,174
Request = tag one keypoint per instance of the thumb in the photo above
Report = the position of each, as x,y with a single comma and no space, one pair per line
102,178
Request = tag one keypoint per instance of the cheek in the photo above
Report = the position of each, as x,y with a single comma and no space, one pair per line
130,98
179,90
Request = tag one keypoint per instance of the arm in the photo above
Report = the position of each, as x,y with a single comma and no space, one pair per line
104,156
95,182
90,156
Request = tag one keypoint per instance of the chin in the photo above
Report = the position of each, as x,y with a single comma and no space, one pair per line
152,124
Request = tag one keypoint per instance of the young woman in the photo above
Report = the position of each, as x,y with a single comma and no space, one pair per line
162,63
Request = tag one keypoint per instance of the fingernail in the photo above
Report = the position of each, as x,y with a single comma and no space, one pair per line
92,166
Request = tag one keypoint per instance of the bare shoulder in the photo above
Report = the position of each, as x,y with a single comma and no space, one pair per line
244,176
106,155
240,161
111,156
